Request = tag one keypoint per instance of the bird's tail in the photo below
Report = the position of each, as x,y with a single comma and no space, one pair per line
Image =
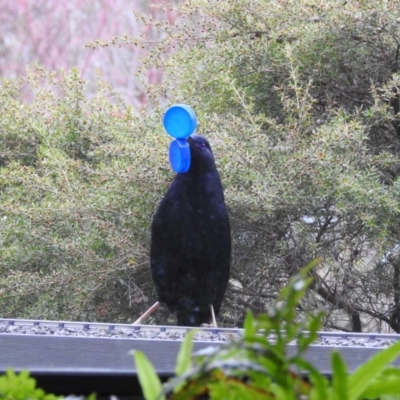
193,318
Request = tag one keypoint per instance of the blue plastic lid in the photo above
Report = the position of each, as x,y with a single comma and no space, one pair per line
180,121
179,155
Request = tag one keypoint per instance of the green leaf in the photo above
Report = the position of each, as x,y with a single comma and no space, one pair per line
22,387
250,329
183,361
149,381
310,266
237,389
360,380
339,378
387,383
282,393
390,386
319,386
390,397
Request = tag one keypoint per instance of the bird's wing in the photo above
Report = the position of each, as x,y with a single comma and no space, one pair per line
166,249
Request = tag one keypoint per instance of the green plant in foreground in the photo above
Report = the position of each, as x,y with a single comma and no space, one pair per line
22,387
258,366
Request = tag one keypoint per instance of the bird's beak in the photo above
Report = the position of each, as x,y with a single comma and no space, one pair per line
189,140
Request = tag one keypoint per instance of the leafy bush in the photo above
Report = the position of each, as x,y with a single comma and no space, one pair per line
300,103
77,193
257,365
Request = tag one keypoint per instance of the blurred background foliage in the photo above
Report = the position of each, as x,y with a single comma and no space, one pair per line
55,34
300,102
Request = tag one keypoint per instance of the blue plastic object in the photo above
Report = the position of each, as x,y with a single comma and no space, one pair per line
179,155
180,121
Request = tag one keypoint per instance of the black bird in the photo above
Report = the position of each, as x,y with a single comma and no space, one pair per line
191,241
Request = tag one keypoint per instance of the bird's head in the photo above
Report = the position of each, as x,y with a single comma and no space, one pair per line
201,154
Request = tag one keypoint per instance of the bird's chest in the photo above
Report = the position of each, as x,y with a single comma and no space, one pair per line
201,208
197,219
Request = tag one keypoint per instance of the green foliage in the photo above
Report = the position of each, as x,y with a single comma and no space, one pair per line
257,365
340,385
77,195
149,381
22,387
360,381
300,101
183,361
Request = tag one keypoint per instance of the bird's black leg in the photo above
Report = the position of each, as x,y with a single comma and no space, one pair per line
147,313
214,321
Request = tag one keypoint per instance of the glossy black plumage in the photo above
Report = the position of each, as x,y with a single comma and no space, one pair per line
190,240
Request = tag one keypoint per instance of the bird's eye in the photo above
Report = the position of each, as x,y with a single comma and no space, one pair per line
202,145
